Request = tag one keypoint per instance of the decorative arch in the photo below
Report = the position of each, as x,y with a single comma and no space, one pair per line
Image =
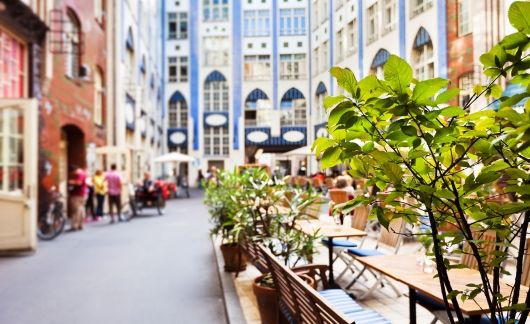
253,97
177,111
321,89
129,43
215,76
293,106
423,55
380,59
422,38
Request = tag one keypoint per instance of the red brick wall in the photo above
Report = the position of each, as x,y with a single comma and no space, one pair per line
459,49
68,104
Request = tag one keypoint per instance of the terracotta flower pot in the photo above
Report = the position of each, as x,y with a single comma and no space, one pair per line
267,299
235,259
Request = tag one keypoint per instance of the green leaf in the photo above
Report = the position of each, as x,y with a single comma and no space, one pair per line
514,40
393,172
452,111
487,177
332,101
513,100
453,294
380,213
496,91
331,157
424,90
398,73
446,96
496,166
321,144
337,112
409,130
345,78
369,87
519,17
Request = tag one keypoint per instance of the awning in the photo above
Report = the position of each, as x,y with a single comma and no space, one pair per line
292,94
321,89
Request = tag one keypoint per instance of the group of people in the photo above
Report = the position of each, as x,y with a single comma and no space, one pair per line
83,190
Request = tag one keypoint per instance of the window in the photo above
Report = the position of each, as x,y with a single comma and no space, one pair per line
216,51
464,23
100,7
324,8
215,93
324,59
178,114
12,67
316,61
256,22
419,6
293,107
314,15
178,68
389,15
423,62
178,25
372,23
292,22
12,146
257,67
320,109
99,96
340,46
465,83
216,141
379,61
352,36
215,10
72,36
257,108
293,66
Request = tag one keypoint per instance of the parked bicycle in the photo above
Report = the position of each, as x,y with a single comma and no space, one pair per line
52,222
129,208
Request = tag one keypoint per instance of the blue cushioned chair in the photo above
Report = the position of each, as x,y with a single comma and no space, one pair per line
390,241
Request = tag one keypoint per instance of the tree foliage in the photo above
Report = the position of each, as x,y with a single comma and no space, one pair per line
444,163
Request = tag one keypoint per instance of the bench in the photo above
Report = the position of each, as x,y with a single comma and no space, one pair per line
300,303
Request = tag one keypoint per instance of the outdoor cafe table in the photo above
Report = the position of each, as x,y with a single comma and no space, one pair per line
330,231
405,269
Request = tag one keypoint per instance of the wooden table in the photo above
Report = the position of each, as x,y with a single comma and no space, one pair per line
330,231
405,269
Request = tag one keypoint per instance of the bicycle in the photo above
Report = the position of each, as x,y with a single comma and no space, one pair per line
130,207
51,223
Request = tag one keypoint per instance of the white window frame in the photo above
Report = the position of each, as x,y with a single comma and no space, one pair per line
372,28
216,96
216,50
99,97
178,114
423,62
216,12
296,115
465,84
177,18
352,36
419,6
180,64
256,23
292,15
464,17
216,141
73,45
257,67
293,66
389,15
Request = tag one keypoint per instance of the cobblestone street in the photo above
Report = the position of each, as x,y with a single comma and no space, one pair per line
154,269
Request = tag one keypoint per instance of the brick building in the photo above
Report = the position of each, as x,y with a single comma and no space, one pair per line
72,121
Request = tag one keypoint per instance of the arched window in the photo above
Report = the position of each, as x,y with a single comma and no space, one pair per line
73,44
256,100
293,107
215,92
99,93
320,94
379,62
130,61
422,55
178,111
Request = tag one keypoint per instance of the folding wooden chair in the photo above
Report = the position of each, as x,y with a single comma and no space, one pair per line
525,280
389,240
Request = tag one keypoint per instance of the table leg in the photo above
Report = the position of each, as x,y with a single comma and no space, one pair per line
412,305
330,255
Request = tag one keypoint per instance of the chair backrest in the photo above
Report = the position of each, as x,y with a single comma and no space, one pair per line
313,210
317,182
359,219
300,300
329,182
393,237
338,196
525,280
487,246
301,181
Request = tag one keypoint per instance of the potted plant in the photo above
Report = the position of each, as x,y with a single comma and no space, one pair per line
220,197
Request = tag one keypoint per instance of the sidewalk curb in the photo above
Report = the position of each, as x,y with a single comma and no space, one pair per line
233,309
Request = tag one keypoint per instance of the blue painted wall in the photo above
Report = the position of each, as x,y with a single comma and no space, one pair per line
237,75
402,30
275,76
442,39
360,47
194,70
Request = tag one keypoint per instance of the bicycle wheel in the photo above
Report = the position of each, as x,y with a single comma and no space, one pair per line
50,226
160,203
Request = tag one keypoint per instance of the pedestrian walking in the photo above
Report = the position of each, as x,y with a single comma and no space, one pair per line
100,190
200,179
78,192
90,211
113,180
